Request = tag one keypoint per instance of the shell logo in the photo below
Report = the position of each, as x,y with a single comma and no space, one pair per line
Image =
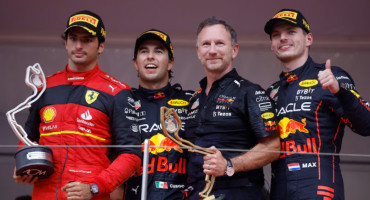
178,102
49,114
308,83
267,115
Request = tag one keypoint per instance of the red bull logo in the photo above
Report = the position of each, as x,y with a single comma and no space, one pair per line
291,147
160,143
289,126
291,78
161,164
270,123
159,95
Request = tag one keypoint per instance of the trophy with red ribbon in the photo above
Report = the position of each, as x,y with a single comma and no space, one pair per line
33,159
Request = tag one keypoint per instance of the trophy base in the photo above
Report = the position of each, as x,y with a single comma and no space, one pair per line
34,160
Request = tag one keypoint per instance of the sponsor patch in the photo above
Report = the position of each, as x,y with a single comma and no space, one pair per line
195,104
91,96
84,18
265,106
286,14
178,102
267,115
308,83
137,104
49,114
86,115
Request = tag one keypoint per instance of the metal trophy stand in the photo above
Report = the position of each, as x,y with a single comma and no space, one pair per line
33,159
171,123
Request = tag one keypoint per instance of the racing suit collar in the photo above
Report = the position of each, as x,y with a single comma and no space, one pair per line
289,77
219,82
155,94
74,76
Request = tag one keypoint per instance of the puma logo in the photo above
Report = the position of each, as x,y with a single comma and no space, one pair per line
113,88
135,189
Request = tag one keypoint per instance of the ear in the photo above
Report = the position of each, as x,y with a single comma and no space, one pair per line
135,64
309,39
235,50
170,64
198,53
101,48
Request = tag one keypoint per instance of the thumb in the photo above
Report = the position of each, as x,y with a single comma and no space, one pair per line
328,64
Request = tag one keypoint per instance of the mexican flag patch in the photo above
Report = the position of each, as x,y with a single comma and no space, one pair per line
161,185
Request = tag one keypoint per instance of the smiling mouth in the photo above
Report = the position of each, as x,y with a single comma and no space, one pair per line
150,66
285,47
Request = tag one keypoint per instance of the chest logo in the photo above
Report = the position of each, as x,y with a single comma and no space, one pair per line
289,126
267,115
177,102
91,96
308,83
49,114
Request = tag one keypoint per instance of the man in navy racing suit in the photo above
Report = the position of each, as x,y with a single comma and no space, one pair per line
167,175
314,103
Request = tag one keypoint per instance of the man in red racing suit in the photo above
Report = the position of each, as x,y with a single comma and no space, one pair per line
81,106
314,103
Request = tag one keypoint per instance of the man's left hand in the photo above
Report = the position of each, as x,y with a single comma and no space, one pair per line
77,191
214,164
327,79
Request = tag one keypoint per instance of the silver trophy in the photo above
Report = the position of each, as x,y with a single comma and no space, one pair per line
33,159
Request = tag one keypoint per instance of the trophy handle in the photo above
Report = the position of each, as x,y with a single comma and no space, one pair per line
35,79
170,114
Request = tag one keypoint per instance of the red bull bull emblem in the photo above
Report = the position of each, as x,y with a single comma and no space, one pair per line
270,125
289,126
160,143
291,78
159,95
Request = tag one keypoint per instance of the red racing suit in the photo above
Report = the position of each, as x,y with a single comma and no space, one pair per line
312,121
167,175
84,108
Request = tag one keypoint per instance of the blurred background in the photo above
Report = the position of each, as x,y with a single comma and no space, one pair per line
30,33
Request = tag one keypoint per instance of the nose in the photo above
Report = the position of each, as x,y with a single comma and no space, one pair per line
150,55
78,44
212,49
283,36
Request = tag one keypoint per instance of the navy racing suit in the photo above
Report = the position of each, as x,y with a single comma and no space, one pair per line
167,176
312,121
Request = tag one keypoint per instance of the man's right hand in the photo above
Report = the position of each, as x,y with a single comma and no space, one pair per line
26,179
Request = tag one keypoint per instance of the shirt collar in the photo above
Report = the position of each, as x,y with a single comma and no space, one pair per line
155,94
76,76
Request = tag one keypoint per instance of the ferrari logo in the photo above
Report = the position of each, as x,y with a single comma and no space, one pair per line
91,96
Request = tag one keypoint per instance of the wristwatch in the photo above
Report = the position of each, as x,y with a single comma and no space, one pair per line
229,168
94,188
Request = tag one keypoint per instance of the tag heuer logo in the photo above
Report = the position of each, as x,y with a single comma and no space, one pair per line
91,96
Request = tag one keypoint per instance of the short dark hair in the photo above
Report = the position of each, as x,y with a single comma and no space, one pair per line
214,21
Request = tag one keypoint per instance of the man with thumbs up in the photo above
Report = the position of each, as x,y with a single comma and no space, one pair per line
314,102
